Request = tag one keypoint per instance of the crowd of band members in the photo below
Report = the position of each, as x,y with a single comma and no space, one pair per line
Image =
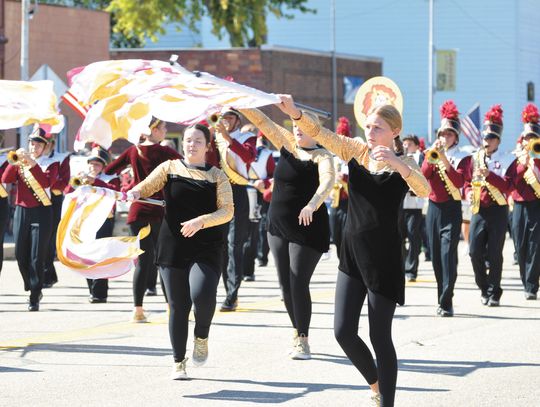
253,159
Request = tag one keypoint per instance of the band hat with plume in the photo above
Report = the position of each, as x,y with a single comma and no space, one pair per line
40,134
530,118
493,122
98,153
449,118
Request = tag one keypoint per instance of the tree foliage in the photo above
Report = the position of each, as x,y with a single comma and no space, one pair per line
133,21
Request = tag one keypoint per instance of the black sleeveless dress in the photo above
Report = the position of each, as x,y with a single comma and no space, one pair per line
295,183
371,248
186,199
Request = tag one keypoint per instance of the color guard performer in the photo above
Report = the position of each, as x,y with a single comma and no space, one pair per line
524,173
486,189
32,224
144,158
190,250
443,221
371,264
298,226
412,213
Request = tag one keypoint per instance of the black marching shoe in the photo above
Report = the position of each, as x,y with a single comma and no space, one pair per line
96,300
484,299
151,292
446,313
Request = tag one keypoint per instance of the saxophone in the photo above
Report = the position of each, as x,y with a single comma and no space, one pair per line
478,180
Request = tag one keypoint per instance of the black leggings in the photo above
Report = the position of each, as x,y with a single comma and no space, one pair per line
146,267
295,265
195,284
350,296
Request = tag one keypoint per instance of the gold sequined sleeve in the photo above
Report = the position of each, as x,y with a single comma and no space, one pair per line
327,177
155,181
345,148
224,201
278,136
416,180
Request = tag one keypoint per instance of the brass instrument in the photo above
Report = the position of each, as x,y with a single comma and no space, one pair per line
213,119
533,147
14,158
77,181
478,180
433,156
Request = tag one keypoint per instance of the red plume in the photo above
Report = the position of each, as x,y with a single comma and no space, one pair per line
344,127
494,115
449,110
422,145
530,114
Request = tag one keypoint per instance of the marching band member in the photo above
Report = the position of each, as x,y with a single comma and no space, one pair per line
370,260
298,227
33,213
443,221
524,175
486,189
339,195
97,160
57,197
190,252
263,169
144,158
236,151
412,213
4,208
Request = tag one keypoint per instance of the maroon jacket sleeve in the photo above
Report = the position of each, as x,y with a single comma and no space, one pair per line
466,165
502,184
10,174
246,151
270,168
173,154
456,175
63,175
121,162
427,169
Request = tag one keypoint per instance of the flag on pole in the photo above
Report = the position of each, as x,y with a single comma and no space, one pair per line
83,213
471,126
23,103
118,98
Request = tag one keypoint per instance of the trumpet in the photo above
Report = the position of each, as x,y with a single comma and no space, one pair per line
213,119
78,180
14,158
534,148
433,156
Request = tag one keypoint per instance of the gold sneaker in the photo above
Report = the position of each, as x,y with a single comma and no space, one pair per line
139,318
179,370
301,349
200,351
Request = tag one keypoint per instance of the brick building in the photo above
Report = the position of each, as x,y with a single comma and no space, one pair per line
305,74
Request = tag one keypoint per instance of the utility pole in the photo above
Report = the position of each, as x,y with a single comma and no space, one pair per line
334,66
25,19
430,75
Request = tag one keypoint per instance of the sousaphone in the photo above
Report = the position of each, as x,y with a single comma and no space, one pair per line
375,92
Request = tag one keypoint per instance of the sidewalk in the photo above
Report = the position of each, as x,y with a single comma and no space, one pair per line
74,353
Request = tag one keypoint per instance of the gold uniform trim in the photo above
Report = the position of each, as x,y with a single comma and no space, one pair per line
347,149
530,178
281,137
34,186
157,179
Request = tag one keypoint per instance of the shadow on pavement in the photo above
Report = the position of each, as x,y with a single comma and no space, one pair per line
99,349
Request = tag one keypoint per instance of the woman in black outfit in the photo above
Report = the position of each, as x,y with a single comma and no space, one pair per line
370,259
191,240
298,226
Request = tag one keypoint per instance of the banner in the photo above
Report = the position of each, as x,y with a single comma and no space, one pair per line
446,71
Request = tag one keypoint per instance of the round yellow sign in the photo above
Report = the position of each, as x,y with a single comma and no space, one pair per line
376,91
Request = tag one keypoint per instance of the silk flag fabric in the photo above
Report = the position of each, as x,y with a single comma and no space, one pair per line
23,103
118,98
83,212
